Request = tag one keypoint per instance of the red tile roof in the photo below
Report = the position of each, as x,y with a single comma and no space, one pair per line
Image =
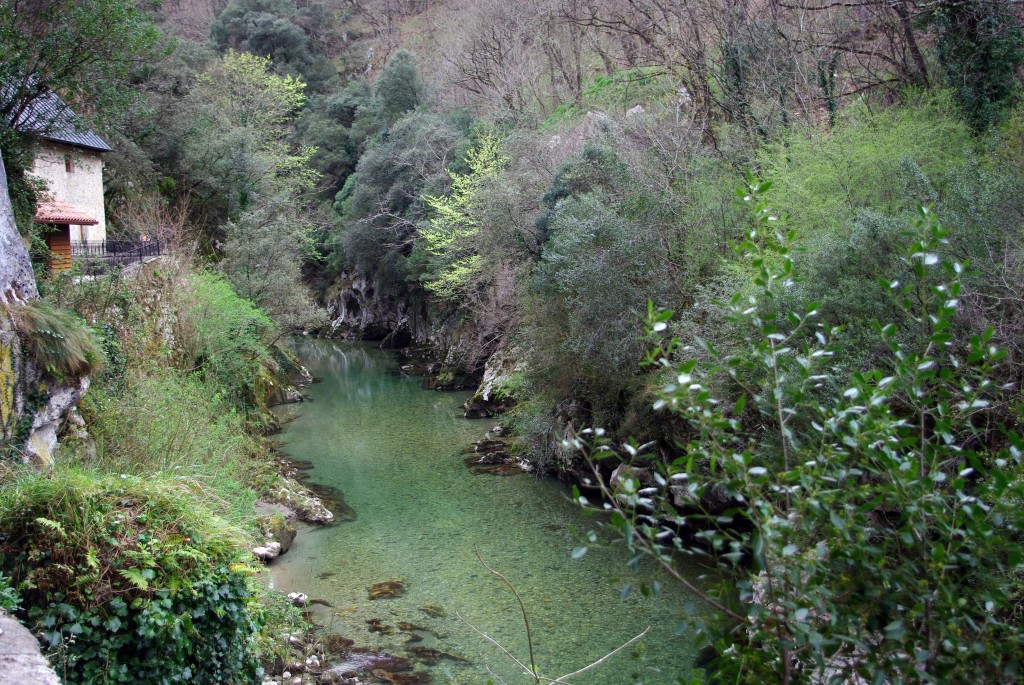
57,212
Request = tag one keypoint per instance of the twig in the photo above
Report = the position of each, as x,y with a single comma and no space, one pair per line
496,676
526,669
522,607
561,681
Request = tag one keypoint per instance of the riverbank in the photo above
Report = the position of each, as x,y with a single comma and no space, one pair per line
130,555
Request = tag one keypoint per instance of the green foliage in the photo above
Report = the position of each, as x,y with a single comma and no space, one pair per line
381,203
399,89
449,236
170,426
128,580
623,89
56,46
10,600
263,257
225,149
593,279
57,340
874,536
980,44
230,338
279,30
822,178
337,127
597,167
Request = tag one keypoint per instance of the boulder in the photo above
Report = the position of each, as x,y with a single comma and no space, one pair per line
21,660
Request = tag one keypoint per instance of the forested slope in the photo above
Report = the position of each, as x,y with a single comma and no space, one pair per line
826,195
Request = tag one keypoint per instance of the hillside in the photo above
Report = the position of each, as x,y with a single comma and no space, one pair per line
745,275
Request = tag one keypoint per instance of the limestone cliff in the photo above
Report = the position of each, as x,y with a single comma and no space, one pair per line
457,345
32,406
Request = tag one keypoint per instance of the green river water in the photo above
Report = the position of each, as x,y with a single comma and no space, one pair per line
393,449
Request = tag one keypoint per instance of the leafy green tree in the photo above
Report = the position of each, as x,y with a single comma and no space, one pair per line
83,51
382,202
399,89
980,43
873,533
597,271
293,39
449,235
331,124
235,154
263,255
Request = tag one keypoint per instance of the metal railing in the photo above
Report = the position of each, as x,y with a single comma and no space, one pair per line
98,255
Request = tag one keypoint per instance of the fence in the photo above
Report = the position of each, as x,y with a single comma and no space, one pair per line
100,255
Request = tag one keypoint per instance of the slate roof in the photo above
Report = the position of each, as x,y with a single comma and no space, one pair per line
50,118
52,211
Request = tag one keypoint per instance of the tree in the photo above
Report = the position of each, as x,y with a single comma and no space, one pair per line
382,202
235,153
293,39
870,535
449,235
263,253
980,44
399,89
83,51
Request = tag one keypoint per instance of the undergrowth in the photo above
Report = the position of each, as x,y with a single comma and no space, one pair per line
57,340
130,579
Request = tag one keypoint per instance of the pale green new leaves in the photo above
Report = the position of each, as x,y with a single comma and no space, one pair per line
448,237
248,93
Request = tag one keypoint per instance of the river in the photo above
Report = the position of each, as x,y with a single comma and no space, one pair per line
393,449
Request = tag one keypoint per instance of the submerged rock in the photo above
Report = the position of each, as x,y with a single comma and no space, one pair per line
431,656
496,464
388,589
415,678
434,610
377,625
336,644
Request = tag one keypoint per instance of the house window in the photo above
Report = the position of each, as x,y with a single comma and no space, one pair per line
69,164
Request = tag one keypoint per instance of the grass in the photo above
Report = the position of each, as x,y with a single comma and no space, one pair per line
58,340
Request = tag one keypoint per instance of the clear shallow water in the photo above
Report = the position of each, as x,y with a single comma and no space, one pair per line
393,449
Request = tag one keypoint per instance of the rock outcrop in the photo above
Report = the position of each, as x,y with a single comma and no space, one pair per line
27,395
362,311
21,660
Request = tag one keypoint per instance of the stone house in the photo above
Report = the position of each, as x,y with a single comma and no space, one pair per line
69,159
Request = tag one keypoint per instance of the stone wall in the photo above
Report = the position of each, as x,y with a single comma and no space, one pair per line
81,187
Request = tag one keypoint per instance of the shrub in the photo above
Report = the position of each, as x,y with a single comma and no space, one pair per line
57,340
231,338
875,532
128,579
597,271
10,600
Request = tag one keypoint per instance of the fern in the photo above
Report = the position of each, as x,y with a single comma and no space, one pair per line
52,525
135,577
